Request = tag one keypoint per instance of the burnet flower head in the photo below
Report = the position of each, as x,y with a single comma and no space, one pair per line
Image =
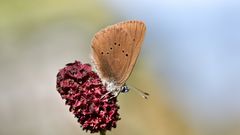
82,89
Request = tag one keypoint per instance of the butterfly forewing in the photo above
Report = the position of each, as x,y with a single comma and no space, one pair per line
111,50
115,50
136,29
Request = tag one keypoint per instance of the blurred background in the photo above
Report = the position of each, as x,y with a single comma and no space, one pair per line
189,64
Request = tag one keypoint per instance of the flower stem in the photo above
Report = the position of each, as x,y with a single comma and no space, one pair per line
103,132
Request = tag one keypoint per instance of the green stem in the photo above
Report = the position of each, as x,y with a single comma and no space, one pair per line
103,132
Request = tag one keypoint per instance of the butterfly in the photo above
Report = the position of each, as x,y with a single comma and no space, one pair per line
115,50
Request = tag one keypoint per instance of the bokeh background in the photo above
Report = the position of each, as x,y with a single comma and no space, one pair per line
190,64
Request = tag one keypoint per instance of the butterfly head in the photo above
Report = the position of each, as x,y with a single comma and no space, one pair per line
124,88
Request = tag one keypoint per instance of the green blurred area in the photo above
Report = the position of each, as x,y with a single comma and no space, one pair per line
16,14
37,38
18,19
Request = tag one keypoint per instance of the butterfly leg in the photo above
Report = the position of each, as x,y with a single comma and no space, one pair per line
106,94
113,94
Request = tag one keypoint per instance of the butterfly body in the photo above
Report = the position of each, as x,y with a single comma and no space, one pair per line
114,52
116,89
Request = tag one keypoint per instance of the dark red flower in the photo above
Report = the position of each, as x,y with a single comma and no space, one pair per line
82,89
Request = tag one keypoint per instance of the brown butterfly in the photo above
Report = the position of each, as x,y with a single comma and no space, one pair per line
114,52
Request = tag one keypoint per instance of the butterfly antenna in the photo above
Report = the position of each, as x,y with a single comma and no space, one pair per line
140,92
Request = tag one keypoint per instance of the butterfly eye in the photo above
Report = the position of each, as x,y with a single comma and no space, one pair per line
111,48
123,51
124,89
118,44
101,52
115,43
126,54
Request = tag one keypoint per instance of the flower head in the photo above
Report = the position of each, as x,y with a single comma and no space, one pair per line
82,89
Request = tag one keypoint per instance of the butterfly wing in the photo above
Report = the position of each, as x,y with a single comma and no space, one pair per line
115,50
111,52
137,30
